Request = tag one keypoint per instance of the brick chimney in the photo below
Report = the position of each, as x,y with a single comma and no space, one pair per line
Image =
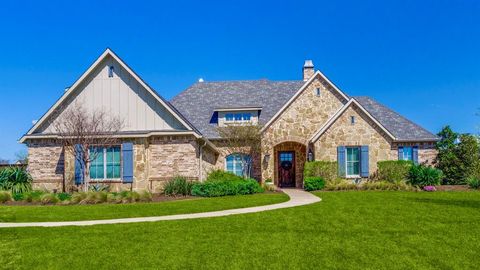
308,70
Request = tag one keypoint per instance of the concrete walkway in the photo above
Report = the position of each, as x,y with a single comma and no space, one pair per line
297,198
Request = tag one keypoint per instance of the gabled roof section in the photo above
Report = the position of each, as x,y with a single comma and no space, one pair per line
200,101
78,82
318,74
397,127
402,128
334,118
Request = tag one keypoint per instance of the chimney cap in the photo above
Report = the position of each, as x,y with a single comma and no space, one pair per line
200,80
308,64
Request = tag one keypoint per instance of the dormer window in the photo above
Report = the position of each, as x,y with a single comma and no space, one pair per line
238,117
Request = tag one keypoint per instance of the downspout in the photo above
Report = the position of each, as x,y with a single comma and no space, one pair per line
200,162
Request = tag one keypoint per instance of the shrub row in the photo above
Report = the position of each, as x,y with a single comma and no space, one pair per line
91,197
374,185
226,187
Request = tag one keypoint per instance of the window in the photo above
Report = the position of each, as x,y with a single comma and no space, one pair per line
353,161
105,162
235,164
110,71
352,120
317,91
407,153
238,117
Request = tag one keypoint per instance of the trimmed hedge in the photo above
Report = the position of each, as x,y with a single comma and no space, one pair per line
219,188
324,169
394,171
220,175
312,183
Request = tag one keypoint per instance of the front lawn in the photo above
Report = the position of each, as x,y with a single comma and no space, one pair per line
32,213
347,230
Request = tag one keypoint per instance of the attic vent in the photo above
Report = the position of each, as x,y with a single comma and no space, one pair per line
110,71
317,92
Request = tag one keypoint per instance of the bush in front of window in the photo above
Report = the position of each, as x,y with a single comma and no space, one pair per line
393,171
312,183
421,175
177,186
217,188
324,169
220,175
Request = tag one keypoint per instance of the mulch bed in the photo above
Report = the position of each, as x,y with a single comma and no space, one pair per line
453,188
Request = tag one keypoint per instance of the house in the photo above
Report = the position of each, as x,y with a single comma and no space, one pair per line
308,119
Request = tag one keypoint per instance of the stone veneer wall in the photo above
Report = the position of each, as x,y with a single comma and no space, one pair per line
363,132
156,160
300,120
46,164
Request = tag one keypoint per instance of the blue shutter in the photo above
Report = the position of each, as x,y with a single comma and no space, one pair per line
364,161
78,165
400,153
127,162
341,161
415,154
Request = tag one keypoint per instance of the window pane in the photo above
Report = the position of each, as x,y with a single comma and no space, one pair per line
353,161
229,116
238,116
247,116
96,163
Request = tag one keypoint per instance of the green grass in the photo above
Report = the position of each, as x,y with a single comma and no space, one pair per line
109,211
347,230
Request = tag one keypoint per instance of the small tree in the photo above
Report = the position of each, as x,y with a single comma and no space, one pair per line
458,156
80,130
244,139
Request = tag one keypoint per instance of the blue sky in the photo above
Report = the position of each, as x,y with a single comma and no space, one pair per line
420,58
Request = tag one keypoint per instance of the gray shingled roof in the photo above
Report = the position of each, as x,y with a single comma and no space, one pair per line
402,128
198,102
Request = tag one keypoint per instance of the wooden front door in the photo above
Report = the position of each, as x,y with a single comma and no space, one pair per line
286,169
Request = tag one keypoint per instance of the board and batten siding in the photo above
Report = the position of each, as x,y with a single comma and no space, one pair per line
122,96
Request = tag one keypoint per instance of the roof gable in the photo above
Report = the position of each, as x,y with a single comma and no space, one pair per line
317,75
125,94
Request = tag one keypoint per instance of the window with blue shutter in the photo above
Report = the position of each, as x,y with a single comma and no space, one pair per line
78,165
341,161
127,162
415,154
364,161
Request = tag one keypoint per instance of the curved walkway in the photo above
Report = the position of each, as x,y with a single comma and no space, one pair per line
297,198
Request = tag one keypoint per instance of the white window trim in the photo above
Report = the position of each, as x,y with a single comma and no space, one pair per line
105,179
346,162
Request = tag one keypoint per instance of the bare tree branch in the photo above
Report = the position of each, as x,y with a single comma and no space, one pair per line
79,130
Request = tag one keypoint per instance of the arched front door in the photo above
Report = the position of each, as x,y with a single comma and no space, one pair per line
286,169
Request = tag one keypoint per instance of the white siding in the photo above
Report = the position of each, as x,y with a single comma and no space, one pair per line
122,96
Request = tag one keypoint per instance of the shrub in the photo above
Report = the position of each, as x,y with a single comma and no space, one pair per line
372,185
312,183
227,187
64,196
93,197
473,182
394,171
33,196
324,169
220,175
145,196
18,197
114,198
15,179
421,175
77,197
99,187
49,198
177,186
5,196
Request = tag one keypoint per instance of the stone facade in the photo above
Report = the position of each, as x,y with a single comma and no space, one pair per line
300,120
155,159
364,132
